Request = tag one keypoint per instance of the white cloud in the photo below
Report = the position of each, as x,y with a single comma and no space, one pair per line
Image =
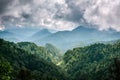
63,14
41,13
2,27
104,13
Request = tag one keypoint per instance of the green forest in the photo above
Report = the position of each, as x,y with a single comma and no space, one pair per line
27,61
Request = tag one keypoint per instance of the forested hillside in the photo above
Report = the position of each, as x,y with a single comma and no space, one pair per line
49,52
18,64
95,62
27,61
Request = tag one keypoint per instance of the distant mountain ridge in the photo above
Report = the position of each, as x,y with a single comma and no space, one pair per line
24,34
39,35
8,36
80,36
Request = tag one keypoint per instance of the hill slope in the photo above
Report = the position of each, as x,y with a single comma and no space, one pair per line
49,52
27,66
97,61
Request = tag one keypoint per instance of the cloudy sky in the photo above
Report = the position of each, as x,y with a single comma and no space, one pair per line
60,14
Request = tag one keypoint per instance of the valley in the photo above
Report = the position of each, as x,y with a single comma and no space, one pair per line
27,61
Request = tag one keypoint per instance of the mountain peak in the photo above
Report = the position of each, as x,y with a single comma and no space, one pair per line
43,31
80,28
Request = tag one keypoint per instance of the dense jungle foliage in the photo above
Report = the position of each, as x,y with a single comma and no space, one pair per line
27,61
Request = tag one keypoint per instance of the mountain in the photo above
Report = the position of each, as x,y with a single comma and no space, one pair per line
8,36
64,40
20,64
24,34
49,52
39,35
80,36
97,61
56,53
17,34
52,48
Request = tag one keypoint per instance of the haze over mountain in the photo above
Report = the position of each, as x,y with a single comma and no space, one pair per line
80,36
39,35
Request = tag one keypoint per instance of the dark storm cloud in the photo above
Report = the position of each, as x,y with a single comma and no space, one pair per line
4,4
75,12
60,14
23,2
25,15
14,12
73,15
52,14
6,18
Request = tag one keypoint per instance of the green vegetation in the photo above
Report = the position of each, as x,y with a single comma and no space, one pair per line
49,52
93,62
27,61
27,66
5,69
